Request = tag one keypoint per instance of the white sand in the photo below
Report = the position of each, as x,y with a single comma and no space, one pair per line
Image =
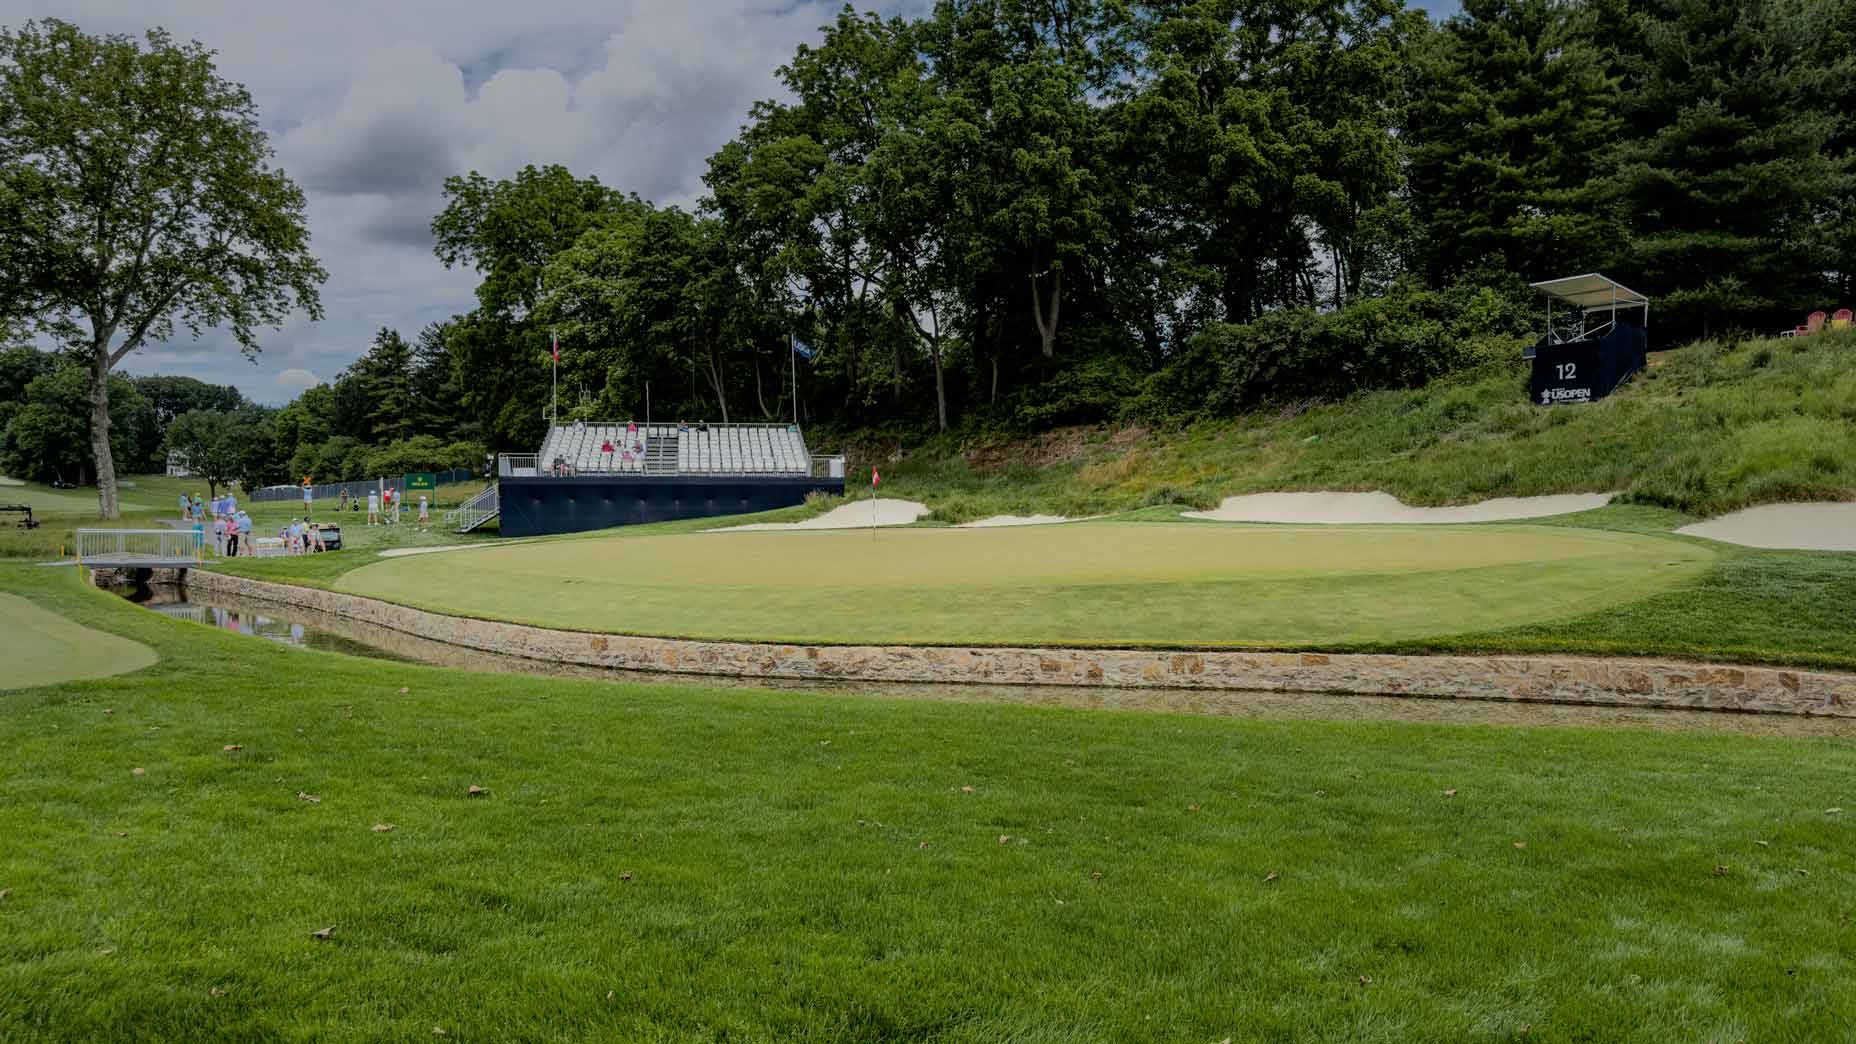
1015,520
397,552
1803,527
848,516
1344,508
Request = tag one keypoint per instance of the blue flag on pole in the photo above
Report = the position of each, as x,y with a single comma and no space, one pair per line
804,350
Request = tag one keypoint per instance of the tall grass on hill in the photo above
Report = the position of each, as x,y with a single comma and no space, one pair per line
1706,429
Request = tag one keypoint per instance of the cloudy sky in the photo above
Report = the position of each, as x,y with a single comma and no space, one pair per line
372,103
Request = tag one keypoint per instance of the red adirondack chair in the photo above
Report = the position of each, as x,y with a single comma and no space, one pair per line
1814,322
1840,320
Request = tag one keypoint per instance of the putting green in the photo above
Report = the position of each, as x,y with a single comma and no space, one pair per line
1085,584
38,647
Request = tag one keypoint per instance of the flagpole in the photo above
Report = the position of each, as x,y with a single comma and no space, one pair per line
792,362
554,407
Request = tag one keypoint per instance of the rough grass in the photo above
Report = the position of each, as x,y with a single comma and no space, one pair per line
1707,429
1095,584
673,863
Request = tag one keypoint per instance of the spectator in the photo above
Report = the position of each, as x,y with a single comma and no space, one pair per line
424,514
219,535
373,508
631,428
343,506
308,496
199,509
186,508
244,532
231,523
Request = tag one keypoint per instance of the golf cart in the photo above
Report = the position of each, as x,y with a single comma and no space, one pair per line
331,535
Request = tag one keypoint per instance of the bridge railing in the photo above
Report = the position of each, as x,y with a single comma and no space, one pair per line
139,545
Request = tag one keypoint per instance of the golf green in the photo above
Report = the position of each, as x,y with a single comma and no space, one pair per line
38,647
1081,584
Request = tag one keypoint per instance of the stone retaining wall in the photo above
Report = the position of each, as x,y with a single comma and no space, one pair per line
1559,679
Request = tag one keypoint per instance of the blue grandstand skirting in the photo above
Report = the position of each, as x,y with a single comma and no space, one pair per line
541,505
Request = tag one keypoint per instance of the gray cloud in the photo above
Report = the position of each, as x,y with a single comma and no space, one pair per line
371,105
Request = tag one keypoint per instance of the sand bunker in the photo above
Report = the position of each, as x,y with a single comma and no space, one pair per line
396,552
1344,508
1802,527
849,516
1015,520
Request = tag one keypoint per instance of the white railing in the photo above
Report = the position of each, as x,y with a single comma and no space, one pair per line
827,465
475,511
516,464
140,545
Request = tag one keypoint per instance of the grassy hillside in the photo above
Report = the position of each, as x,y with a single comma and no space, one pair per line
1705,429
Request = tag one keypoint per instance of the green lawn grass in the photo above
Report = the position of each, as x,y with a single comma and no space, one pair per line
674,863
38,647
1095,584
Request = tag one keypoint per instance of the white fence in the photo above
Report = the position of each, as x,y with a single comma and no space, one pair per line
135,546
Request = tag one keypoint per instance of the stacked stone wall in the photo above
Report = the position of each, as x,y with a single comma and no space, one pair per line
1553,679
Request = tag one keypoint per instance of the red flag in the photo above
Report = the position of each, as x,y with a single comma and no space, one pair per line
557,349
874,478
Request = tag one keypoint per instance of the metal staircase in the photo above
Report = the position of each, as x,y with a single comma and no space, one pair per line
475,511
660,454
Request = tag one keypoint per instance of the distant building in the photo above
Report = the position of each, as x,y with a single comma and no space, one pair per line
177,466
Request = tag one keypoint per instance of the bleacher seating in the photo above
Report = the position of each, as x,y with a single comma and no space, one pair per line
669,449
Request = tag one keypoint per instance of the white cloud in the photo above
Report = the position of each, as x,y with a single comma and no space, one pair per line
372,105
291,382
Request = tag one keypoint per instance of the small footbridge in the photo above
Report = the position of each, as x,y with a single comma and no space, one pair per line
140,548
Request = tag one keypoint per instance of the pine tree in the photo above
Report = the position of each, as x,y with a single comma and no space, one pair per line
386,376
1728,167
1512,114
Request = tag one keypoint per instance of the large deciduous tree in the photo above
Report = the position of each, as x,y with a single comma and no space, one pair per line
137,196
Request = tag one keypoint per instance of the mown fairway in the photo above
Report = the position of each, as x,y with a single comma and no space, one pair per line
1082,583
40,648
676,863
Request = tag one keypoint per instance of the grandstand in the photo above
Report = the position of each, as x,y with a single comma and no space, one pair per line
596,474
660,449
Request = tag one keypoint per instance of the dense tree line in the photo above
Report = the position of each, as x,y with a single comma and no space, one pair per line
1032,211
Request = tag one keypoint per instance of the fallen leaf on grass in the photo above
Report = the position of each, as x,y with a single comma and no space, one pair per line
106,951
1095,875
1450,793
966,790
1271,876
924,844
1833,811
4,892
626,876
404,690
311,798
381,828
322,933
106,710
215,992
1720,871
122,833
1366,980
1763,844
438,1031
233,746
1802,872
609,994
1192,808
138,771
475,791
1520,844
1005,839
1321,793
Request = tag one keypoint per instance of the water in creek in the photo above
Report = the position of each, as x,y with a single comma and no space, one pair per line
308,628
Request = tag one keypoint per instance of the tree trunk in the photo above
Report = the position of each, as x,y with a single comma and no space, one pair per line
1047,333
940,385
107,504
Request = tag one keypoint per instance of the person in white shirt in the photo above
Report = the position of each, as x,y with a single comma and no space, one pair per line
373,508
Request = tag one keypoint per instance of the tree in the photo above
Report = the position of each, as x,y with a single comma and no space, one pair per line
1732,194
1512,120
210,444
170,397
45,435
137,196
386,376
